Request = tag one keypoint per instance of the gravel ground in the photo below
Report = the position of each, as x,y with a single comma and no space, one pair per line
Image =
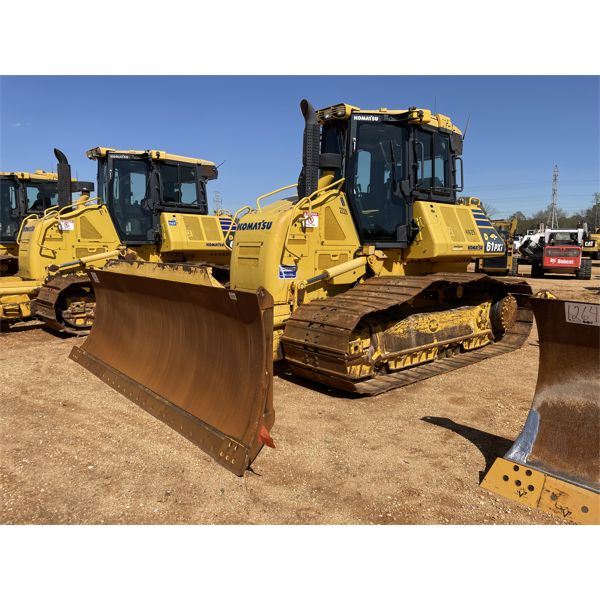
75,451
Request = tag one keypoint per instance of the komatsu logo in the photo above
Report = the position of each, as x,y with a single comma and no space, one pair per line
255,226
366,117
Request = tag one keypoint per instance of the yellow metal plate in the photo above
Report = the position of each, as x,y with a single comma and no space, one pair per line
514,482
570,502
532,488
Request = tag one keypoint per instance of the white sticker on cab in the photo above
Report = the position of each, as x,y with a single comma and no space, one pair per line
67,225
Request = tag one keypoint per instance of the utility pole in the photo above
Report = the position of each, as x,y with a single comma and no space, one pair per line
218,202
552,216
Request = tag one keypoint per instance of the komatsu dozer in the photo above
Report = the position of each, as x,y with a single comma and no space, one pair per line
25,196
554,464
358,282
152,206
508,264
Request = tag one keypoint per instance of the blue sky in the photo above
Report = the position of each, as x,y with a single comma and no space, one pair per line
519,127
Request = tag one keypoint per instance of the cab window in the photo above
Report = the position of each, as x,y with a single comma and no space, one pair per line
129,193
379,161
9,221
179,184
41,196
433,160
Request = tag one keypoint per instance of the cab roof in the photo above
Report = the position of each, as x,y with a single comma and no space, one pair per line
35,176
101,152
417,116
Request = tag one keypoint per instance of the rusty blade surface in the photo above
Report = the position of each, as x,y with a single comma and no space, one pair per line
197,357
562,433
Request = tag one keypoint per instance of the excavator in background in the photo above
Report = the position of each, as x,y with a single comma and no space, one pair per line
359,282
591,244
508,264
22,195
554,464
153,206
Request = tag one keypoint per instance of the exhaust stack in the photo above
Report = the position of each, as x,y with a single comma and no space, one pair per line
309,176
63,170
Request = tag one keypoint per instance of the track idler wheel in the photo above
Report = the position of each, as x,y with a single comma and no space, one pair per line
503,314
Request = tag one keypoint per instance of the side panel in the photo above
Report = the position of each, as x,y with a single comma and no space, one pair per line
57,239
281,244
451,232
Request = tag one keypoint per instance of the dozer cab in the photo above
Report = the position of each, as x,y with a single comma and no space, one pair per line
508,263
23,194
152,205
358,282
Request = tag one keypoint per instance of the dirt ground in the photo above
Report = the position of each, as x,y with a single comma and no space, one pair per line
75,451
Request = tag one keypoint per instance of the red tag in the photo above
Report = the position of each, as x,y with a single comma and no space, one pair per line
265,437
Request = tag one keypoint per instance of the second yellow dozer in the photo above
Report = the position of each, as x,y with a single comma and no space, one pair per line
25,196
508,263
154,207
359,282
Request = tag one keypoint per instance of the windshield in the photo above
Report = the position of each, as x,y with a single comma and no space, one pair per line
563,237
129,193
379,166
9,214
41,195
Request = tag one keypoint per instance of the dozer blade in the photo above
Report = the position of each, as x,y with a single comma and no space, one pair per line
197,357
554,464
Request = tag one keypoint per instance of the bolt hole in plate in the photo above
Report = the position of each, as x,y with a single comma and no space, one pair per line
584,509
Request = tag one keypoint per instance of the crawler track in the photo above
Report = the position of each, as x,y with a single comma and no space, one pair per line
317,336
47,306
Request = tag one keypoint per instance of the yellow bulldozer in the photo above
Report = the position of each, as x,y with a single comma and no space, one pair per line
359,282
508,263
24,196
153,207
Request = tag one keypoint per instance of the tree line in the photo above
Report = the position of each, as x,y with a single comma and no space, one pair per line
590,215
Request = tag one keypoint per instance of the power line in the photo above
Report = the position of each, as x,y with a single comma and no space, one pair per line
217,202
552,216
523,183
